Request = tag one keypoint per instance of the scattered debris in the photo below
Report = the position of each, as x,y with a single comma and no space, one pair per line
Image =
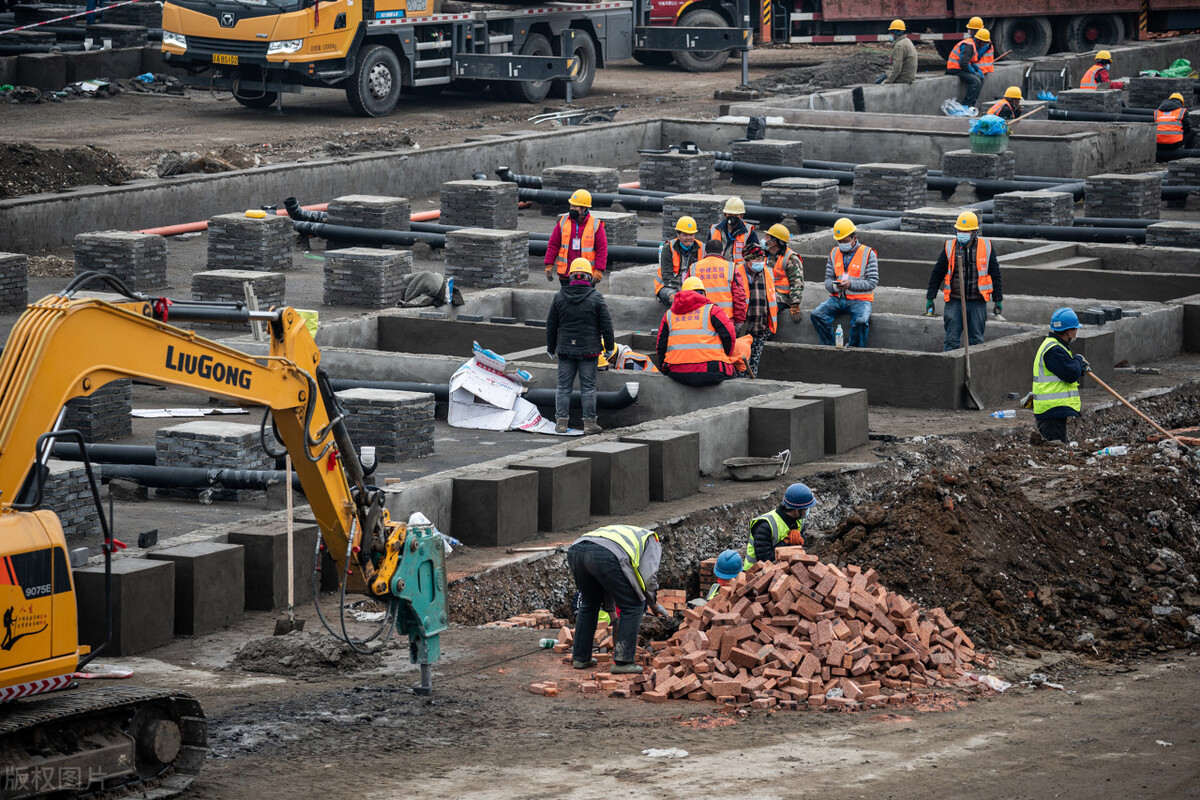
25,169
540,619
304,655
669,752
861,67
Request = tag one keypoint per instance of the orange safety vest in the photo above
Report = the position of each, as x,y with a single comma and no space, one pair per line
1170,125
999,106
718,275
986,60
855,269
780,272
1089,78
983,256
587,241
958,57
743,276
676,262
692,339
739,241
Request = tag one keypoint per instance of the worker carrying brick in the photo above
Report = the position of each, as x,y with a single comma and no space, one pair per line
695,339
733,232
788,270
620,562
851,275
728,567
903,67
981,277
577,327
675,260
1056,374
782,526
1009,106
970,60
577,235
1097,76
761,309
1173,128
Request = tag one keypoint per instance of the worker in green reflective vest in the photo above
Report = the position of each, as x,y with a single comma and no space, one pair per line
728,567
1056,374
783,525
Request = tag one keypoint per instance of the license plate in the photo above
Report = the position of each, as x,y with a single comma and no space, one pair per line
221,58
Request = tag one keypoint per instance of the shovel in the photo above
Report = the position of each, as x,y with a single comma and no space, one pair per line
1129,405
966,340
285,625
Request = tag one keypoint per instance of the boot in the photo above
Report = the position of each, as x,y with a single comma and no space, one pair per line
591,426
560,424
627,669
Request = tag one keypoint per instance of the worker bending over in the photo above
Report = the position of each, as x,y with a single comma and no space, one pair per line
851,275
620,562
721,282
1056,374
728,567
761,309
695,339
968,59
733,232
903,68
788,270
1174,128
577,235
1009,106
981,276
1097,76
783,525
675,260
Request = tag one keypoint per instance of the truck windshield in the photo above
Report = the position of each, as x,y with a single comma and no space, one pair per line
212,6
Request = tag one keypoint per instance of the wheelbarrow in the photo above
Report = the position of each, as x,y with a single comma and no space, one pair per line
759,468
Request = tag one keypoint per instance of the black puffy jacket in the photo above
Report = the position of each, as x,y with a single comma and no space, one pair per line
577,322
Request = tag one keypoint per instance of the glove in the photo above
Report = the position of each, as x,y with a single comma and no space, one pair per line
1086,366
881,79
597,276
795,312
666,296
660,611
795,539
549,273
929,308
551,354
740,331
1116,84
997,308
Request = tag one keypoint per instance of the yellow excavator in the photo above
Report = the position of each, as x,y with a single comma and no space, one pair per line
61,741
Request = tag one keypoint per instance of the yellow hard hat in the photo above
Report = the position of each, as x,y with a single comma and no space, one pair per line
843,228
983,35
686,225
975,24
581,265
693,284
734,205
967,221
1013,93
779,232
582,197
1176,96
1104,55
897,25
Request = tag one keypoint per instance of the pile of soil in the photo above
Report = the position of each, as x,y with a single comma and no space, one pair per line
51,267
862,67
302,655
24,169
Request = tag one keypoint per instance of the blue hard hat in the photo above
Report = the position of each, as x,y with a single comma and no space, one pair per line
798,496
1063,319
728,566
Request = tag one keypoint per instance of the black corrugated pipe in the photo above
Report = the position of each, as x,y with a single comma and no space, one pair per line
849,167
197,477
762,172
106,453
606,400
1095,116
629,201
293,209
1183,152
523,181
433,227
1179,192
1064,234
22,49
1113,222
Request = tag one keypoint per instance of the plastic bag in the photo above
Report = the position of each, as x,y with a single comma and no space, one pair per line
953,108
1180,68
989,125
1045,95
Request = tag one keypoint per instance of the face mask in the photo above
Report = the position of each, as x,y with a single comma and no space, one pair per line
845,247
573,213
732,221
963,238
757,266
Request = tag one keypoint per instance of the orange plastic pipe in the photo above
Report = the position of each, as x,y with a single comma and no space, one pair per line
631,185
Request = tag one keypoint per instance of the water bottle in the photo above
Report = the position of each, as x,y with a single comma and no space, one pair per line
449,291
839,338
1119,450
1009,414
547,644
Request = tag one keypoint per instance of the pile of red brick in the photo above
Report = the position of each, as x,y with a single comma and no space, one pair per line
540,619
673,599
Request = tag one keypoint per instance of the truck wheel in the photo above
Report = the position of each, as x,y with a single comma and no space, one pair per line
374,87
693,61
531,91
585,51
1086,32
944,47
653,58
1026,37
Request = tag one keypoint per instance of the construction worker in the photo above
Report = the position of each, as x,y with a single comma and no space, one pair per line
964,63
675,260
761,309
728,567
851,275
783,525
620,562
1097,76
1174,129
903,68
577,327
577,235
720,278
982,278
733,231
787,269
1009,106
1056,374
695,339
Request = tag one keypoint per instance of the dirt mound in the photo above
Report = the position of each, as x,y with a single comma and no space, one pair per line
24,169
302,655
51,267
862,67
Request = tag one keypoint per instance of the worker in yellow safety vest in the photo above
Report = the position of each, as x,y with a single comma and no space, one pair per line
785,524
1009,106
1056,374
981,277
695,339
675,260
1174,130
620,562
577,234
733,232
851,275
1097,76
728,567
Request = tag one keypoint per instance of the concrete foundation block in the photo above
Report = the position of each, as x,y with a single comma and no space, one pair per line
480,204
68,494
801,194
210,585
1035,208
14,281
1149,92
369,211
620,476
845,411
796,425
105,414
564,489
46,71
138,259
487,257
674,462
236,241
399,425
706,209
894,187
212,444
143,594
228,285
365,277
966,164
569,177
775,152
1183,172
1123,196
930,219
265,559
1173,234
495,507
1191,327
119,35
677,172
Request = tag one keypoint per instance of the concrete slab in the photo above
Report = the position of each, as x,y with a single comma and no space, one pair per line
495,507
210,581
796,425
620,476
266,564
143,595
563,483
1191,327
846,425
674,462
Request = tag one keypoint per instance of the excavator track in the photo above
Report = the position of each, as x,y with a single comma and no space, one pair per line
102,743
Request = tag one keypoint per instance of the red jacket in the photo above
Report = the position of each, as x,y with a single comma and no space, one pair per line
573,253
683,303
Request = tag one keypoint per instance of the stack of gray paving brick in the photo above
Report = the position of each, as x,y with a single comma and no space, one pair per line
14,281
1100,101
68,494
677,172
1123,196
893,187
1149,92
620,230
485,258
139,14
965,164
369,211
105,414
236,241
138,259
775,152
1173,234
1034,208
365,277
398,424
120,35
801,194
212,445
1183,172
598,180
226,285
706,209
929,219
482,204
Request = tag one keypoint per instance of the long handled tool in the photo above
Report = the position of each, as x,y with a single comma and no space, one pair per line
1129,405
285,625
1027,114
961,260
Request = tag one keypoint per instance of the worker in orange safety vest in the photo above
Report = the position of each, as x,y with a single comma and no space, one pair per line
1097,76
577,234
981,276
851,275
695,339
1174,130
